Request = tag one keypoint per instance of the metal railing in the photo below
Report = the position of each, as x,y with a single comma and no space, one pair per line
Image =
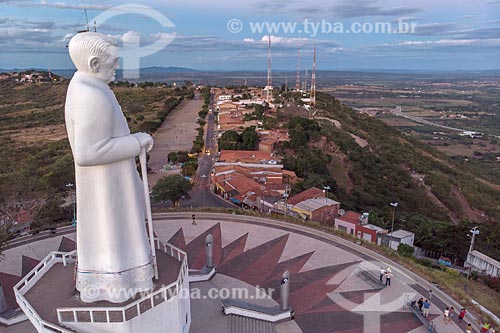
138,307
23,286
98,314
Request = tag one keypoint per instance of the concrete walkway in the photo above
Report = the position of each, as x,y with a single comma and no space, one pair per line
176,133
331,291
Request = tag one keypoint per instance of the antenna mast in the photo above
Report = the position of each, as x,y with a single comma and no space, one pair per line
297,81
269,88
313,81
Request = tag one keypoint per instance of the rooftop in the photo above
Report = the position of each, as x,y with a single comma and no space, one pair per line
310,193
314,204
402,234
244,155
351,217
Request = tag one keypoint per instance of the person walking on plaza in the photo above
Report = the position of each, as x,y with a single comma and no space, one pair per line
382,273
462,315
388,277
468,329
420,304
427,306
485,328
429,295
194,219
452,312
446,315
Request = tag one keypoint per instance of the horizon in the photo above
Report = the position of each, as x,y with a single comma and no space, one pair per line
281,70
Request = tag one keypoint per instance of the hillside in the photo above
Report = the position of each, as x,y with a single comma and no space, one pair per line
35,160
369,164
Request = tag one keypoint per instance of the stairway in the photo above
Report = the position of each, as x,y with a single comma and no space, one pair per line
239,324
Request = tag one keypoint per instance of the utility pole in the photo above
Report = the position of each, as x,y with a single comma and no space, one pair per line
326,189
286,199
474,231
394,205
70,186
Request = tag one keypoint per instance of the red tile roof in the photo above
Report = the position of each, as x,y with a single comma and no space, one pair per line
310,193
248,156
350,217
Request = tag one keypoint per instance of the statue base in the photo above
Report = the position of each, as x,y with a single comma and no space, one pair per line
49,299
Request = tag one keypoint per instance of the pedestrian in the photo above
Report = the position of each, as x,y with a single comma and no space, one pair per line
446,315
468,329
429,295
388,277
382,273
492,330
194,219
420,304
485,328
452,311
462,314
427,306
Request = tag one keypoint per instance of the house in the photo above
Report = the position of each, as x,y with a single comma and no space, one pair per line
348,222
369,232
323,210
480,262
357,225
395,238
310,193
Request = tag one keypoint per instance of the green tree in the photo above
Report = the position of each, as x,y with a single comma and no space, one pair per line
51,213
171,188
249,138
172,157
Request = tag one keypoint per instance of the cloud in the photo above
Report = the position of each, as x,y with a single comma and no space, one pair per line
65,5
361,8
436,29
454,42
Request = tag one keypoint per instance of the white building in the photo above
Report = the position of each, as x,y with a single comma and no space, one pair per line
480,262
395,238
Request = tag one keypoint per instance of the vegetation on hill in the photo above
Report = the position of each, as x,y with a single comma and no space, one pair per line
438,200
36,161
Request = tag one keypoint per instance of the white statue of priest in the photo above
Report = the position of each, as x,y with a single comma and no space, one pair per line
114,255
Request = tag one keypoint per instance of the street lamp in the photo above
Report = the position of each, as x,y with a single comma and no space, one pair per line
326,189
73,201
394,205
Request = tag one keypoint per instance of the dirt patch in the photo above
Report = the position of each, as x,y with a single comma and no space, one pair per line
471,213
333,121
34,135
360,141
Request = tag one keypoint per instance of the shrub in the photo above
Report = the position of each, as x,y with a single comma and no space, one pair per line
405,250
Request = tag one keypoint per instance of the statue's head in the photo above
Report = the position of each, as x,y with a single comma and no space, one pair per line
94,54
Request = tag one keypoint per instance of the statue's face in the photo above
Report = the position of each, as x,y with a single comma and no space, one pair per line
108,66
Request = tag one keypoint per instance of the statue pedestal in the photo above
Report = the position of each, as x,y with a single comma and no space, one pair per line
48,297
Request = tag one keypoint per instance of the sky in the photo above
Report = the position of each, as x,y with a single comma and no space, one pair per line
234,34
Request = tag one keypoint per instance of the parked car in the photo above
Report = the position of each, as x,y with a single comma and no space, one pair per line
445,261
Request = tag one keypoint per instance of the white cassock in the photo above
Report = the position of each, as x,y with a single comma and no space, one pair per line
114,254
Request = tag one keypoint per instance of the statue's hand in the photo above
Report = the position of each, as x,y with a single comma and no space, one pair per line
145,140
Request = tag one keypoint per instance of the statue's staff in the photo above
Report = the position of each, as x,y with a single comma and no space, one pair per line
144,172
